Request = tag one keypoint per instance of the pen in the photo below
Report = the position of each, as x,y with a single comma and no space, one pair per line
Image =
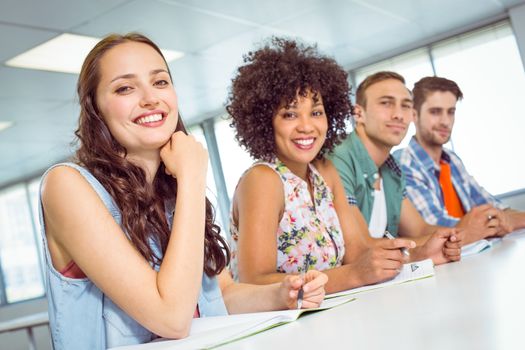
403,250
303,276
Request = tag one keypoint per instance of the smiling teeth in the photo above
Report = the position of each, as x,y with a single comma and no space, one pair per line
149,119
305,142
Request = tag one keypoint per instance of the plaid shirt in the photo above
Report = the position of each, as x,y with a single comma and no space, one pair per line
424,190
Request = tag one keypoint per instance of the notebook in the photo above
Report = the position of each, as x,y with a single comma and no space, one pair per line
211,332
410,272
478,246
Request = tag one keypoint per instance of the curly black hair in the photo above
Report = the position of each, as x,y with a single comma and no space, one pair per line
273,75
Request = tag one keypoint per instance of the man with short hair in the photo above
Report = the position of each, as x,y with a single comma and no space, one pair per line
438,184
371,176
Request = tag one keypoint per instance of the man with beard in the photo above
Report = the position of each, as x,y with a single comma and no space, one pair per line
372,178
438,183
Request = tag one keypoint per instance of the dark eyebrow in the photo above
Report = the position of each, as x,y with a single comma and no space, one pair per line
388,97
123,76
130,75
157,71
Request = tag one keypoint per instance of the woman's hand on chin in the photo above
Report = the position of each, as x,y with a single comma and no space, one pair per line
185,158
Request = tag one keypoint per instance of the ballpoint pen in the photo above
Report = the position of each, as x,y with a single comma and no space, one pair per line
303,276
403,250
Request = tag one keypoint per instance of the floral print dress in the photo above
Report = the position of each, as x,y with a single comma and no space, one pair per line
309,235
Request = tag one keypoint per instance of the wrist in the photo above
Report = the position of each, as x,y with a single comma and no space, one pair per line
192,184
474,236
279,299
356,277
419,253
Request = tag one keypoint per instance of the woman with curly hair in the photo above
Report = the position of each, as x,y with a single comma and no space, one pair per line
132,252
289,106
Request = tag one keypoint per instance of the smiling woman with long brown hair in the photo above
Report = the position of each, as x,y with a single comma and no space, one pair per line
131,249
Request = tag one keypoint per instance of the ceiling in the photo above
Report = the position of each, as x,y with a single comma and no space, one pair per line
213,35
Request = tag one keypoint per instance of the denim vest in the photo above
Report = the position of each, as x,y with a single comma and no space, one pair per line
82,317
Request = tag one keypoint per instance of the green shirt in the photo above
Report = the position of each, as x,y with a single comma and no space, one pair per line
359,172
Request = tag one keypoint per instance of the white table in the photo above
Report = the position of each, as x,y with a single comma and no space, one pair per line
478,303
27,322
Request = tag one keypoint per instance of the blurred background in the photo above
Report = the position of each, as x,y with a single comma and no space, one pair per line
478,43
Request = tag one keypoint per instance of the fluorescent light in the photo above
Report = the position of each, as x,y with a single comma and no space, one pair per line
65,54
5,125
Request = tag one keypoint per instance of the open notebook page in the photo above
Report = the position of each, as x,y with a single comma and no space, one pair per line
478,246
409,272
210,332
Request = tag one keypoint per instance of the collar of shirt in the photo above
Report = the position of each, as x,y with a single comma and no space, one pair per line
427,162
287,175
370,170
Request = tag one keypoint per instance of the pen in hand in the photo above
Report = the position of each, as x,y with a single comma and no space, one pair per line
300,294
389,236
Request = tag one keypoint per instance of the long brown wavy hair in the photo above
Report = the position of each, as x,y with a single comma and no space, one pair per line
142,205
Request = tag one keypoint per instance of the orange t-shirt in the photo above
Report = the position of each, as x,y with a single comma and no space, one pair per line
450,196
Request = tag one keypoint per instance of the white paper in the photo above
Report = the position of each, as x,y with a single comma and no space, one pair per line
478,246
207,332
409,272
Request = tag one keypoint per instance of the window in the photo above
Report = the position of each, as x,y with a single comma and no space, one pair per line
486,65
33,188
235,160
489,125
211,190
19,257
412,66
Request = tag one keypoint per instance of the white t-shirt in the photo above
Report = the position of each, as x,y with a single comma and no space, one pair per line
378,219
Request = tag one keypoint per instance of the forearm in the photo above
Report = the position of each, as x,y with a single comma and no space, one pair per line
339,278
421,240
241,298
261,278
472,234
180,274
516,218
343,278
419,252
